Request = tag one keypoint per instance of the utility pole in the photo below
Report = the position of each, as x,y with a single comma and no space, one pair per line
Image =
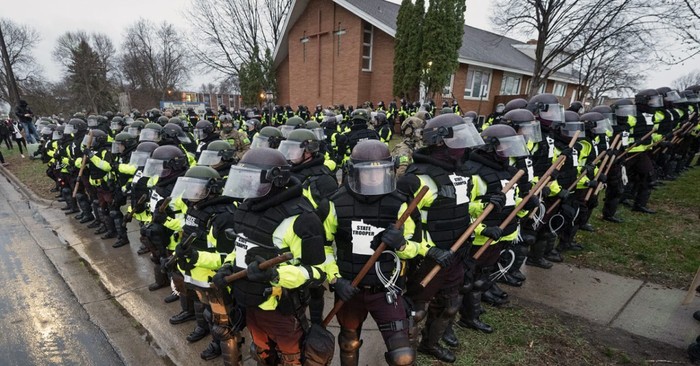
11,81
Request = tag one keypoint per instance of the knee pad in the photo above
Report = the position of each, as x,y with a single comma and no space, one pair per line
222,332
400,352
349,340
452,305
115,214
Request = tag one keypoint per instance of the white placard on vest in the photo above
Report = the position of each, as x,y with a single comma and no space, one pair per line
510,195
362,235
530,169
649,119
625,139
574,157
461,185
153,203
242,247
550,143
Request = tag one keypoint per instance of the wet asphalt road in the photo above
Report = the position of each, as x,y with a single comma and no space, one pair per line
41,321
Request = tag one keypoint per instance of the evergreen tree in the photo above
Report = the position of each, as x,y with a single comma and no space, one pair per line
255,77
442,38
407,49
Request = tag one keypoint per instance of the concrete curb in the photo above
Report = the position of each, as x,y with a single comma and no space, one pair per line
24,189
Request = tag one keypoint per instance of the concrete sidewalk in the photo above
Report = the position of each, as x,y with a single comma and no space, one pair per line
644,309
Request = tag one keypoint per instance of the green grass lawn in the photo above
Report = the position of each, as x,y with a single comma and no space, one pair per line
663,248
30,172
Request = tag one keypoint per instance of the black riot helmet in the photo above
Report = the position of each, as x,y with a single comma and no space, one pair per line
216,152
76,126
258,171
671,96
123,142
517,103
173,134
203,129
504,142
596,123
267,137
99,139
471,117
198,183
142,153
648,100
607,112
380,118
163,120
359,116
117,124
524,123
623,109
577,107
547,109
298,142
166,161
564,131
371,169
451,130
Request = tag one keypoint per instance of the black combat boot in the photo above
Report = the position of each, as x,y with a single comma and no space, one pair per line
187,313
435,327
449,337
201,328
470,314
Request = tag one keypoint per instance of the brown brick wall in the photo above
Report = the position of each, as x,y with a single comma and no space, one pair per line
329,74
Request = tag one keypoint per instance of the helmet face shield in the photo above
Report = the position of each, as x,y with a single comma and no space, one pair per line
133,131
626,110
552,112
199,134
148,134
655,101
246,182
463,136
372,178
569,129
531,131
117,147
673,97
69,129
511,147
209,157
56,135
603,127
138,158
46,131
260,141
115,126
292,150
190,188
154,168
318,132
286,130
92,122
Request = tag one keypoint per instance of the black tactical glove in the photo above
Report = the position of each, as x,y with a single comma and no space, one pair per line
261,275
546,191
590,171
493,232
533,202
441,256
555,174
88,152
159,217
612,152
219,281
563,194
393,238
345,289
602,178
592,183
497,199
186,257
567,151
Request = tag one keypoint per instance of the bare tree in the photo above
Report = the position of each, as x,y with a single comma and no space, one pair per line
232,32
613,66
683,82
20,41
564,30
688,20
154,62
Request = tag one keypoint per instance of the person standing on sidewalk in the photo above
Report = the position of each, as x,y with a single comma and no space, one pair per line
26,117
365,209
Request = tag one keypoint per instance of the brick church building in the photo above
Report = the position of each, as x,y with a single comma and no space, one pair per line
342,51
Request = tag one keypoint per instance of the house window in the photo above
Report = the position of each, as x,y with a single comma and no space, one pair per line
367,38
559,89
447,89
207,99
219,99
510,85
478,81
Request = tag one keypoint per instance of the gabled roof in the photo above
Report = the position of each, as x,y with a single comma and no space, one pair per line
479,47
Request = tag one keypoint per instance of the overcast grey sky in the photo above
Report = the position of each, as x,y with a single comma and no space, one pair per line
53,18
